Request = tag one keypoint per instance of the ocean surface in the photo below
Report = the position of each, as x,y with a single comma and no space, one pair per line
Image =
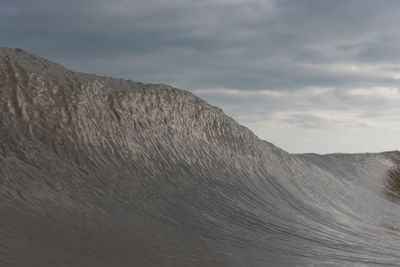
96,171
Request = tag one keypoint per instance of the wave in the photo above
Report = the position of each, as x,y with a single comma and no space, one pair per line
96,171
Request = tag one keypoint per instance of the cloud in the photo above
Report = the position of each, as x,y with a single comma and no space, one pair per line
325,119
308,65
382,92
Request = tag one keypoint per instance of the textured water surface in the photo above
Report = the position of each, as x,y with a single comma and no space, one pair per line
96,171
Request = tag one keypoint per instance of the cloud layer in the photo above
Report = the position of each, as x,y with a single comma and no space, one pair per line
307,75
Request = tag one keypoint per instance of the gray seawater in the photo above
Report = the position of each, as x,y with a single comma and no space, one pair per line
96,171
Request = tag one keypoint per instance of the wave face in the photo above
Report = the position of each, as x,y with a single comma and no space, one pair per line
96,171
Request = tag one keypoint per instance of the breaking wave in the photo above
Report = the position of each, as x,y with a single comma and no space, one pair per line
96,171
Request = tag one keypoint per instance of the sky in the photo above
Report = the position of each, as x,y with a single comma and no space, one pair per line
306,75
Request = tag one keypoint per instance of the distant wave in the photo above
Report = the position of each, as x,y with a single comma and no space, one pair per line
96,171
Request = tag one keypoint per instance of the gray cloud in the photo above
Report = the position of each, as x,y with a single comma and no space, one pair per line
334,65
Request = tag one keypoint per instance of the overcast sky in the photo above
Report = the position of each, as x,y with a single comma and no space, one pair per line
308,76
